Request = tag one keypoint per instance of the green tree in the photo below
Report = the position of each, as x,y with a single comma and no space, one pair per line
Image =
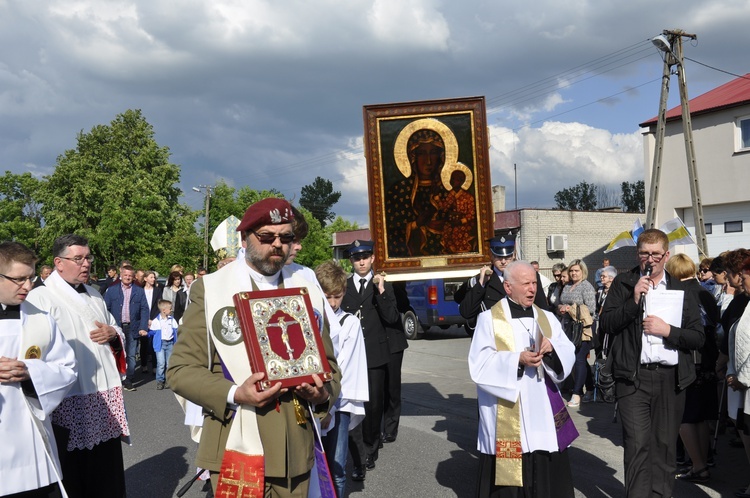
634,196
317,246
581,197
118,189
318,198
20,210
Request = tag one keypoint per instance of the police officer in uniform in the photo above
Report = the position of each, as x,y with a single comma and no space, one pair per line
372,300
481,292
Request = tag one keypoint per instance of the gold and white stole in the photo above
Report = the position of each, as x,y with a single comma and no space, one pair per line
508,450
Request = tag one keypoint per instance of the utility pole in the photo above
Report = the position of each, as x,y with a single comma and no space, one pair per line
670,42
515,184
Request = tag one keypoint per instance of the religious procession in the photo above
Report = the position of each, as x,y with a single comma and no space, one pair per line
290,379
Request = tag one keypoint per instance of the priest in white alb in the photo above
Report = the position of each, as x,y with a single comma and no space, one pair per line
37,368
518,356
90,422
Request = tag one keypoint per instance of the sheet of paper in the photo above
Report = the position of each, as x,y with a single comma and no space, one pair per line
666,304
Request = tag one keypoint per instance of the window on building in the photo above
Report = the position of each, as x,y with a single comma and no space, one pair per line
709,228
732,226
743,133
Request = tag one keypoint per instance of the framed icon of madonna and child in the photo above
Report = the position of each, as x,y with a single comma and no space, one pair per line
429,183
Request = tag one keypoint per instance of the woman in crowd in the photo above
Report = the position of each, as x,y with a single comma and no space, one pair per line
578,299
701,400
736,323
606,277
554,289
723,292
176,294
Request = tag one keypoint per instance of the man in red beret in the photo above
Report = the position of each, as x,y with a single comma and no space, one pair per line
276,449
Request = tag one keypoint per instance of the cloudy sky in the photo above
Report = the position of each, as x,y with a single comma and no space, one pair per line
270,94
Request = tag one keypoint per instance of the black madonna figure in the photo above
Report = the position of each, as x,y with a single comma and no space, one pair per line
414,222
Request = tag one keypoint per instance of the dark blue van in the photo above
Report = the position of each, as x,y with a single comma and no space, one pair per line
431,303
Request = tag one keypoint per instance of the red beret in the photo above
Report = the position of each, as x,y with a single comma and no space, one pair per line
269,211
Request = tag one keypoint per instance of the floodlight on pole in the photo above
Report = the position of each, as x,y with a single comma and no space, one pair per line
662,43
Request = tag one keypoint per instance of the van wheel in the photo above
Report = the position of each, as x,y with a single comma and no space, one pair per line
412,328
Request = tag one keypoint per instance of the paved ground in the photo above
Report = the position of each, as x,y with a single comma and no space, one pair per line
434,455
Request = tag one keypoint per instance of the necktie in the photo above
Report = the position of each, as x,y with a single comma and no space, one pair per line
362,282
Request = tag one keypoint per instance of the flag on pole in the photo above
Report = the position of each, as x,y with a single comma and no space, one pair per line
676,232
625,239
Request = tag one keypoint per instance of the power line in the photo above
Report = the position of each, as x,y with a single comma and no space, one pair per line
717,69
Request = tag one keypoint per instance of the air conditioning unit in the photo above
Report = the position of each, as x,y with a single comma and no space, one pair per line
557,242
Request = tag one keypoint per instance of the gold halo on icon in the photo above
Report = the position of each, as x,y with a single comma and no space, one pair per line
401,155
445,176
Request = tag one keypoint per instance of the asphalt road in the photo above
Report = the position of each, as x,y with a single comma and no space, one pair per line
435,454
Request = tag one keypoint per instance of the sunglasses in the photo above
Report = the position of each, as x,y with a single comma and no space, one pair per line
269,238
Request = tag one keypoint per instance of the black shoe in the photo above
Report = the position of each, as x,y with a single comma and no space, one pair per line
389,438
359,473
369,463
700,476
128,386
159,386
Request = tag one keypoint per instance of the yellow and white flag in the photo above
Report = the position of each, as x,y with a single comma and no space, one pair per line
625,239
676,232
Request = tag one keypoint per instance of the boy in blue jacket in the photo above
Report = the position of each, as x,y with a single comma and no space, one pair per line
163,331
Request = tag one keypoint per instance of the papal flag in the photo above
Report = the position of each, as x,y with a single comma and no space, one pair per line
676,232
226,237
628,238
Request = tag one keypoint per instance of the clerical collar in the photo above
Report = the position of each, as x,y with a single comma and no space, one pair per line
518,311
79,288
264,279
10,312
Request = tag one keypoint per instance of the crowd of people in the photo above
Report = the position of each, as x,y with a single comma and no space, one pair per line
675,337
65,380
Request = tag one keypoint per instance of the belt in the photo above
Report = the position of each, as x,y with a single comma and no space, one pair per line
655,366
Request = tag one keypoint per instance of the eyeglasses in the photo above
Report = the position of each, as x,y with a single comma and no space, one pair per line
269,238
704,270
655,256
557,275
78,260
19,281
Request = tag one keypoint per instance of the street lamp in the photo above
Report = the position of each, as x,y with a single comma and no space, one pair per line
207,188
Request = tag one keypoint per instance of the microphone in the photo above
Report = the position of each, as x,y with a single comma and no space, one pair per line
647,270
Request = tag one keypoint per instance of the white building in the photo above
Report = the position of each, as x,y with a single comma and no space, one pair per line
721,139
